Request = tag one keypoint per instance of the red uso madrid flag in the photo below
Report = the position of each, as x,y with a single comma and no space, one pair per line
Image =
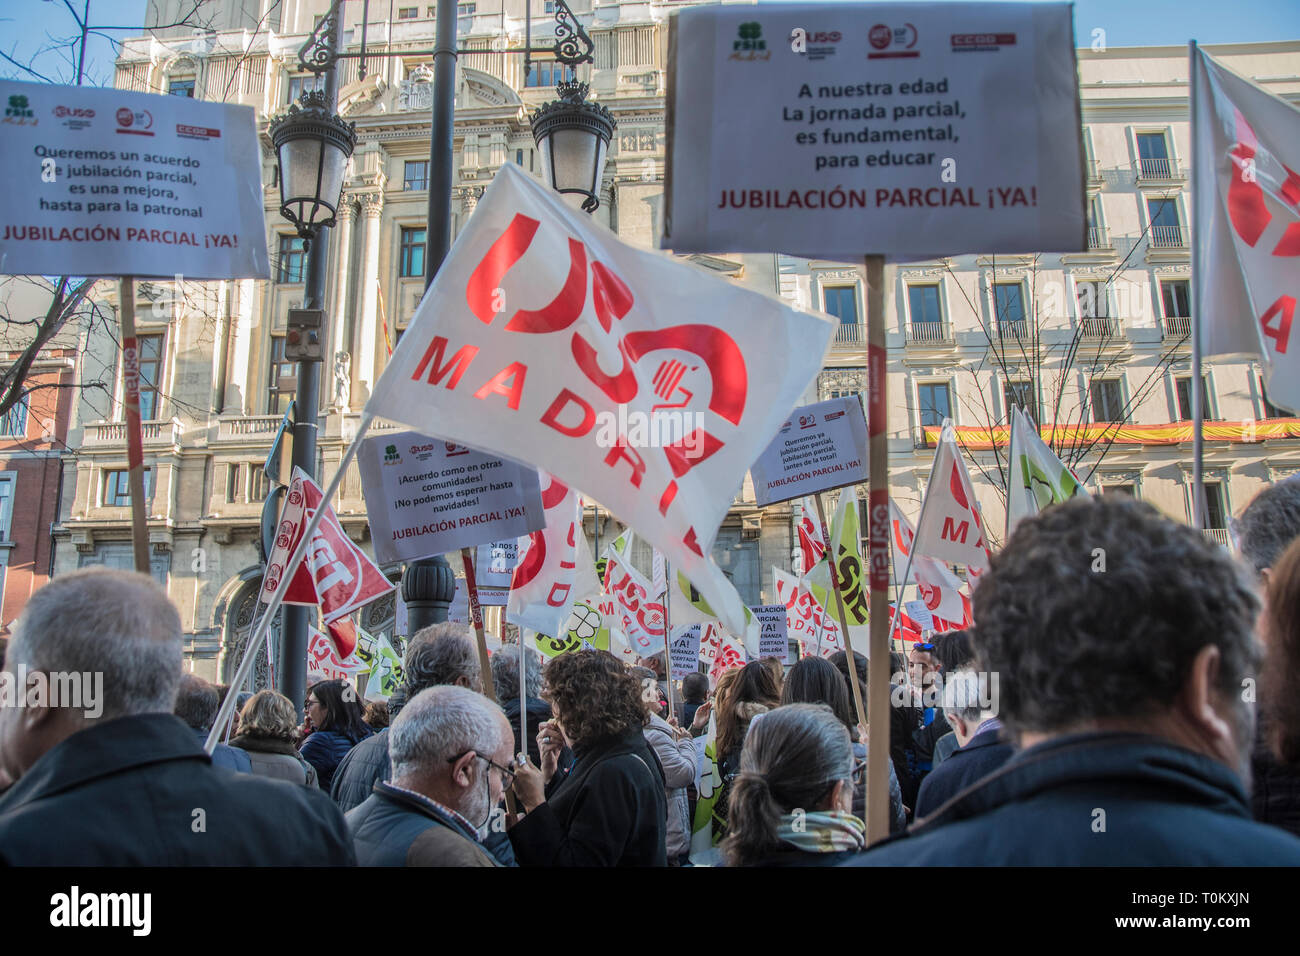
334,573
644,382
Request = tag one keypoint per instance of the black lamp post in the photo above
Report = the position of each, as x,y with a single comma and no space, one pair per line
312,147
572,138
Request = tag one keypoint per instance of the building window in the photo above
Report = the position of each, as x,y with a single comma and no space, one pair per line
935,403
548,73
246,483
234,482
1216,512
292,261
1165,231
150,351
1094,222
465,9
117,487
519,157
1183,387
1093,301
14,422
412,252
431,12
181,87
841,302
1176,303
926,311
1009,307
7,482
1127,488
1271,410
407,13
284,378
304,83
415,176
548,6
1153,156
1020,394
1107,400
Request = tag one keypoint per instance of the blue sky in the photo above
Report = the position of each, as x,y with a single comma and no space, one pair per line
29,27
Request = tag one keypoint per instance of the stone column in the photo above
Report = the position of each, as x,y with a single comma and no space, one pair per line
341,336
367,331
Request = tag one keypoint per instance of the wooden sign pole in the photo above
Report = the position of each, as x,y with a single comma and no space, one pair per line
476,617
134,438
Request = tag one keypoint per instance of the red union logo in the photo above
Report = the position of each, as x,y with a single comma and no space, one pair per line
880,36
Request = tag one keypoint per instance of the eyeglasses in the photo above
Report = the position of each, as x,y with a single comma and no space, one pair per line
507,772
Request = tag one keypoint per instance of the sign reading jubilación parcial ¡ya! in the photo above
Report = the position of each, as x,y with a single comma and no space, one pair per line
909,130
102,182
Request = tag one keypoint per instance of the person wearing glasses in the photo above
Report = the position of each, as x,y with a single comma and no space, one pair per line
451,754
791,804
334,712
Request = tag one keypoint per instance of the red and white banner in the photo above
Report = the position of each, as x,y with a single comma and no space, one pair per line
951,528
344,635
324,661
811,544
646,383
939,588
1246,191
335,573
721,651
637,611
555,566
806,620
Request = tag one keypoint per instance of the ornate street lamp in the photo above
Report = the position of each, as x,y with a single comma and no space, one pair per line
573,137
312,149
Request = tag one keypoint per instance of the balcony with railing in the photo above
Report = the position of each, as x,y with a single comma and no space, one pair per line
1161,169
850,335
1168,237
1100,327
929,333
248,427
1013,330
1219,536
1176,326
103,434
1097,238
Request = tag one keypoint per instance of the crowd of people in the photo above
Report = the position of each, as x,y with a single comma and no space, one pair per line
1126,696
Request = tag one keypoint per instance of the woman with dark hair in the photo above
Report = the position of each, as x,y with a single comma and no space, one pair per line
1275,794
335,713
755,690
608,808
790,803
815,680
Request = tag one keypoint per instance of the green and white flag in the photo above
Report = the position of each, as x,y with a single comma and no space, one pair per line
385,672
1036,478
846,544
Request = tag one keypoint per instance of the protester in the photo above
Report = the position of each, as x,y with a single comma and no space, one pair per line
196,704
695,691
335,714
505,678
676,752
754,691
1277,789
123,782
814,680
655,663
609,808
1265,529
451,755
1124,683
904,719
266,736
971,710
954,651
376,714
790,803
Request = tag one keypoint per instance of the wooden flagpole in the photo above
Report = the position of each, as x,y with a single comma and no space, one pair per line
134,438
476,617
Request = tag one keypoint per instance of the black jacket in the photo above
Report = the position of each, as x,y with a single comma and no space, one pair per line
1104,799
609,811
396,828
1275,791
125,792
983,753
325,750
360,769
538,712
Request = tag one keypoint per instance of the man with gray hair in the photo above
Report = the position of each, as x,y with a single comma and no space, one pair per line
971,708
1268,524
451,751
197,703
124,783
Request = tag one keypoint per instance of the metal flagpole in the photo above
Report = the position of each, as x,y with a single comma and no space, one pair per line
259,634
911,550
668,634
1198,412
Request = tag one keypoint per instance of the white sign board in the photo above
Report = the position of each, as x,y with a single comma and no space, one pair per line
773,638
684,650
494,565
911,130
919,612
102,182
818,447
426,496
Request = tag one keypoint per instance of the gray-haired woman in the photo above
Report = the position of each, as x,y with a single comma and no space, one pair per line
791,803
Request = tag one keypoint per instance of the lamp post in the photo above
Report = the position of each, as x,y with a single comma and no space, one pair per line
313,145
572,137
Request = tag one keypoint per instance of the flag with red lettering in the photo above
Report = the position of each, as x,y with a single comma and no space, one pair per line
1246,190
806,620
335,573
811,545
951,528
324,662
643,381
637,611
555,566
938,587
344,635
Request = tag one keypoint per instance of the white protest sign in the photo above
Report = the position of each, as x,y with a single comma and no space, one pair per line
104,182
920,613
773,639
835,130
819,447
494,565
684,650
426,496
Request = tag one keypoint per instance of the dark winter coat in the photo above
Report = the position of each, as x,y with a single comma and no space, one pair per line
983,754
394,827
125,792
224,755
538,712
1102,799
1275,791
273,757
609,810
324,750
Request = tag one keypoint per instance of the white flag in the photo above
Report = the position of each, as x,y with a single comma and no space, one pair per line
940,589
1246,191
951,528
1036,478
555,565
647,383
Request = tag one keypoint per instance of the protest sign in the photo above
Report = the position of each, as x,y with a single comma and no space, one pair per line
773,639
807,619
103,182
919,612
426,496
494,565
817,448
684,649
836,130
